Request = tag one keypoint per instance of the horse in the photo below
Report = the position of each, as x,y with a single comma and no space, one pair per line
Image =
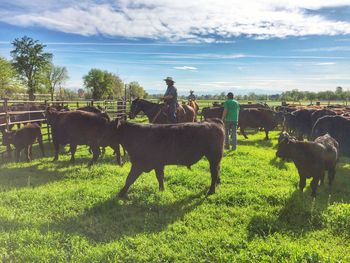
157,113
194,105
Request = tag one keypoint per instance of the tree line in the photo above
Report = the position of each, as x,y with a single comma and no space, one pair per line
31,70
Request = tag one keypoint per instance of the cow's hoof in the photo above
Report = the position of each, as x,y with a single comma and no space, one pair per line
210,192
123,195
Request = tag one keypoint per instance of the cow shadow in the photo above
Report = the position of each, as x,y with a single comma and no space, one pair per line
115,218
261,143
301,213
26,176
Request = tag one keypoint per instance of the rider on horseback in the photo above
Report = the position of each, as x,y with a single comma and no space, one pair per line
170,98
191,97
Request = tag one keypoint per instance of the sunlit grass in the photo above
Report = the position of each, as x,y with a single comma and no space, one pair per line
51,212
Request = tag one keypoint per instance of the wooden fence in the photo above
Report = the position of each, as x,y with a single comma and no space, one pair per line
9,116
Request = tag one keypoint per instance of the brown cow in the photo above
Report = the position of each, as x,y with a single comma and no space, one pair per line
154,146
76,128
23,138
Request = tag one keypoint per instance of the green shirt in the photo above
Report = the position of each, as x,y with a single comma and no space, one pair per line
232,107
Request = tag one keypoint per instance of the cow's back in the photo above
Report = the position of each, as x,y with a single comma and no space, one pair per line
78,126
152,145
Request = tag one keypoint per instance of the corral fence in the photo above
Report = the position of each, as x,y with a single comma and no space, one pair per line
18,112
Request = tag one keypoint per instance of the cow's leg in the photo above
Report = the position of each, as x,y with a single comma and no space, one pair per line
41,145
160,177
322,179
313,185
117,155
27,152
331,175
95,154
30,151
17,153
243,132
73,149
133,175
214,171
302,183
57,148
266,134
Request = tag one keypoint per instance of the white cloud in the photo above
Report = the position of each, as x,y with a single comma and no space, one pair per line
192,21
186,68
325,63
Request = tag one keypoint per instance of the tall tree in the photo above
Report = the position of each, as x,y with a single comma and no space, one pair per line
8,79
103,84
54,76
29,59
136,90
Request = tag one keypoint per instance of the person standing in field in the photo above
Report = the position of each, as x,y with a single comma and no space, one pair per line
230,117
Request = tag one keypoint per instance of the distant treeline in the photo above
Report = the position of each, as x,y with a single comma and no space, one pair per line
294,95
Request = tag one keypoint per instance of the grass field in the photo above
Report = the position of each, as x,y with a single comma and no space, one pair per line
57,212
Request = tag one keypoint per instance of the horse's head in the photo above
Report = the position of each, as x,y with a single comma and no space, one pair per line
135,108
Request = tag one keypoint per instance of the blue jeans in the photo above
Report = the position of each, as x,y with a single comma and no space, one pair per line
172,113
230,127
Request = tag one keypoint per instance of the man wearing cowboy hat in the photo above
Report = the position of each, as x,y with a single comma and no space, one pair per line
170,98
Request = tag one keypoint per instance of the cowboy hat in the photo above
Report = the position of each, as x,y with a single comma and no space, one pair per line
169,79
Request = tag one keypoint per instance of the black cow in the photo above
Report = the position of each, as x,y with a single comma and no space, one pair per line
303,122
154,146
23,138
76,128
312,159
258,118
321,113
336,126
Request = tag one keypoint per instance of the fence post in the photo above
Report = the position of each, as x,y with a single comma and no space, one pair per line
47,125
7,117
92,102
77,104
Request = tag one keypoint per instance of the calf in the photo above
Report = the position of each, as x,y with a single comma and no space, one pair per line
23,138
312,159
76,128
154,146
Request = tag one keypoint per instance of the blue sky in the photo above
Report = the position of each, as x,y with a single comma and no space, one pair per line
208,46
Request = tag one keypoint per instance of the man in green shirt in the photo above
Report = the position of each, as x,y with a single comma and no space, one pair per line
230,118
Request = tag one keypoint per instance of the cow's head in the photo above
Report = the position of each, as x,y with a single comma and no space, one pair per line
285,147
135,108
110,135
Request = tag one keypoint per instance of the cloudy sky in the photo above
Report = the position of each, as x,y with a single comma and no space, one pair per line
208,46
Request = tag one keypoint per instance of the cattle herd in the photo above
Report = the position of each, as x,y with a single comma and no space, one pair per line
153,146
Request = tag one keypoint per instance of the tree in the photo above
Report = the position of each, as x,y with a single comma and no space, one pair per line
54,76
311,96
103,84
8,79
136,90
29,59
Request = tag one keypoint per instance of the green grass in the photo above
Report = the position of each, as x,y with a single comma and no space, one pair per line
57,212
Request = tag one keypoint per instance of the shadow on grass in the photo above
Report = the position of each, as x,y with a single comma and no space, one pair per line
256,143
114,218
301,213
25,177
